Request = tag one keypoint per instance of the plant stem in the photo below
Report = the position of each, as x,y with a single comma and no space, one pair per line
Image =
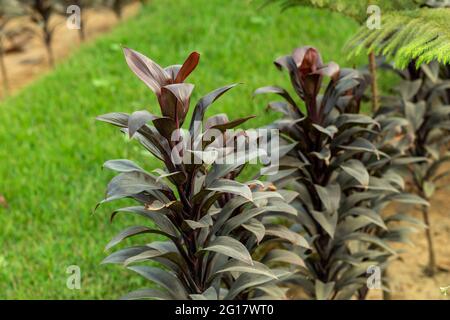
431,269
373,73
48,43
81,31
51,60
3,70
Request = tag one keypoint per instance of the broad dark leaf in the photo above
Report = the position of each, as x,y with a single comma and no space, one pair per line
188,66
164,279
119,119
122,165
147,70
230,247
283,256
231,124
231,186
324,290
131,183
356,169
281,232
175,100
137,119
208,294
128,232
255,227
122,255
203,104
239,267
153,294
246,281
278,91
157,216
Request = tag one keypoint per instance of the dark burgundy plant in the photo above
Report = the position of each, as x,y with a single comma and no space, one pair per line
422,99
335,164
213,224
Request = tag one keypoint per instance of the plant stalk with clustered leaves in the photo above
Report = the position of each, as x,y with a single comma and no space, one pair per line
409,30
342,180
423,99
213,223
356,10
41,12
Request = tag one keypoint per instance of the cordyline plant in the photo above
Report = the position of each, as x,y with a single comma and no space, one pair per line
339,174
358,11
213,223
423,99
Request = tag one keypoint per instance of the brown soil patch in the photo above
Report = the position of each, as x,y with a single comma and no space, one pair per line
407,278
23,67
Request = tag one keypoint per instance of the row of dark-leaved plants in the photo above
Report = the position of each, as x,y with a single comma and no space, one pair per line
345,168
422,98
316,223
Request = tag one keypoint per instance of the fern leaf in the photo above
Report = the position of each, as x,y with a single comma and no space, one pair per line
355,9
422,35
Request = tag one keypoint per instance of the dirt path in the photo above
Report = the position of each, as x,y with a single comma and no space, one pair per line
406,275
24,67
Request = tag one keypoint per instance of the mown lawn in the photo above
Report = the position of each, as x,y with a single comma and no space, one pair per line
52,149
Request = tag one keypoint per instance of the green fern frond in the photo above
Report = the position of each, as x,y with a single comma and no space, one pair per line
355,9
422,35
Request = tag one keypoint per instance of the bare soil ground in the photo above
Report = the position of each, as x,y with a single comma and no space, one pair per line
407,278
23,67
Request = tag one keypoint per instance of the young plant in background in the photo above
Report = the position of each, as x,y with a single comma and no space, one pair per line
340,197
8,10
213,223
393,138
117,6
423,99
40,12
358,11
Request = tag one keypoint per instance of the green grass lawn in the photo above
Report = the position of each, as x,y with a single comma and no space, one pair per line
52,149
